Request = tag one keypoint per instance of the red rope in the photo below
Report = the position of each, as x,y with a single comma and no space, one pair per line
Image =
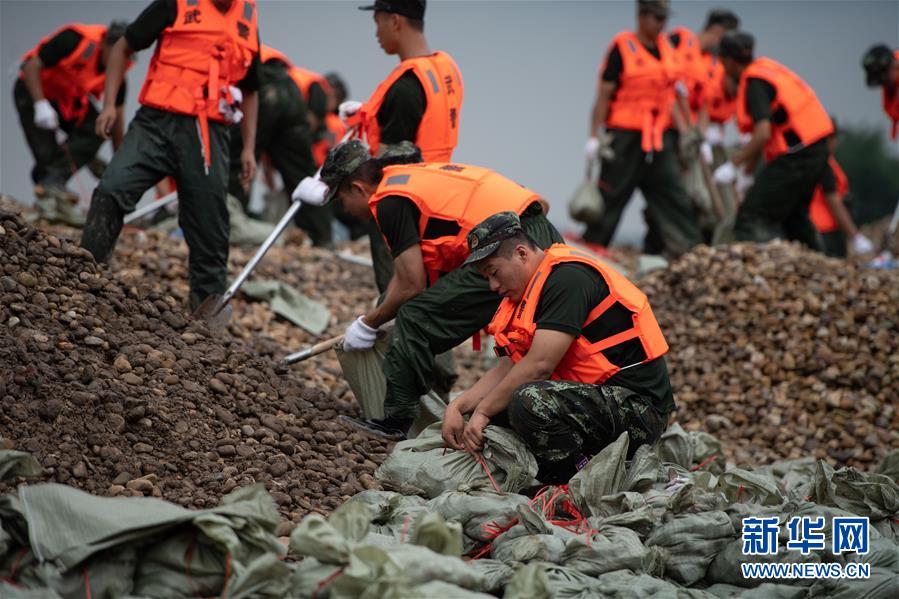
480,459
326,582
87,585
227,576
406,523
739,492
188,557
704,463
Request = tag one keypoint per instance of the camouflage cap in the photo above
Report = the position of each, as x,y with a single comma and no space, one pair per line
343,160
404,152
486,237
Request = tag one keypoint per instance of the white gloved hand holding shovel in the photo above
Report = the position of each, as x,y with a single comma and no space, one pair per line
348,109
359,336
311,190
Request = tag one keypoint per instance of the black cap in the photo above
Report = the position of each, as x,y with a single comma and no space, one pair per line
724,17
338,85
486,237
413,9
661,8
877,62
737,45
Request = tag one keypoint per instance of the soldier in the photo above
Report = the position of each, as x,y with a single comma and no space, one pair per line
630,131
582,356
424,212
56,80
207,54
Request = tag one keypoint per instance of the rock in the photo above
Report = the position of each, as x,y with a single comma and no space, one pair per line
122,364
26,279
226,451
217,386
132,379
141,485
92,341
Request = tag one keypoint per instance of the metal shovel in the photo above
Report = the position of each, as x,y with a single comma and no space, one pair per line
314,350
213,307
151,207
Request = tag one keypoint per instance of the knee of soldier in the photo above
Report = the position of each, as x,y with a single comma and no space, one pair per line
530,406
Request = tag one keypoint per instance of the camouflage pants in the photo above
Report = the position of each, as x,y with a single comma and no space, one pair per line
564,422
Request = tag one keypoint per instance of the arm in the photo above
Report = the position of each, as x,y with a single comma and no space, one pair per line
115,73
409,279
601,106
749,154
32,75
250,110
538,364
842,216
453,421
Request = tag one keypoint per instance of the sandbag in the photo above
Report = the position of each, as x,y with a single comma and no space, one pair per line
424,466
18,463
586,204
496,574
691,449
625,584
290,304
692,541
749,487
763,591
482,514
864,494
890,465
604,474
612,549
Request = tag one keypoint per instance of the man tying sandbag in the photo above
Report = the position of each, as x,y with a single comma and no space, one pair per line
582,354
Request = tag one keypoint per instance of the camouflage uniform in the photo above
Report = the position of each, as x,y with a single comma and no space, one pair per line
564,423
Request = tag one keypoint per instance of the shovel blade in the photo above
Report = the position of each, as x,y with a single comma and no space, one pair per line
216,315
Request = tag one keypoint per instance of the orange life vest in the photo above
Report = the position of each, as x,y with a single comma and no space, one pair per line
69,82
818,210
720,106
453,199
692,66
198,57
806,120
645,93
891,104
438,131
304,78
331,136
513,326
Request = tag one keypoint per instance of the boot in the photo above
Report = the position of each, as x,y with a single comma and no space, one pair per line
392,429
68,212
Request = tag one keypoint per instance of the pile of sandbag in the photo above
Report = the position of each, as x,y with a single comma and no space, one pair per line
668,522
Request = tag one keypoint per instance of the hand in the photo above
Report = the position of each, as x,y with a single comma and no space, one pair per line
744,182
359,336
473,436
591,148
715,135
44,115
861,244
348,109
726,173
453,427
247,166
310,190
231,111
106,121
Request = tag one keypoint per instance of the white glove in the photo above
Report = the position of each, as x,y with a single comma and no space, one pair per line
44,115
861,244
715,135
232,113
359,336
705,151
726,173
311,190
348,109
599,147
744,182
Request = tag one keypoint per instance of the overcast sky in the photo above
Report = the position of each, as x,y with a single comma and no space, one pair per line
529,67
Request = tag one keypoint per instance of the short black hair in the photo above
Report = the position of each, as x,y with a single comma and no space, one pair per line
508,245
737,45
724,17
370,172
115,30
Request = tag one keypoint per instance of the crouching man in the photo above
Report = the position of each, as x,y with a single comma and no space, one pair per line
582,354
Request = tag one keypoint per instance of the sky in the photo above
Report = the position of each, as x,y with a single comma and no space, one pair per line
529,68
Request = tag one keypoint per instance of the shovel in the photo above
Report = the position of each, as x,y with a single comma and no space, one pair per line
309,352
212,309
151,208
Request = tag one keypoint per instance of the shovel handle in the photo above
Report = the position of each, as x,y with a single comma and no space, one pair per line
309,352
151,207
